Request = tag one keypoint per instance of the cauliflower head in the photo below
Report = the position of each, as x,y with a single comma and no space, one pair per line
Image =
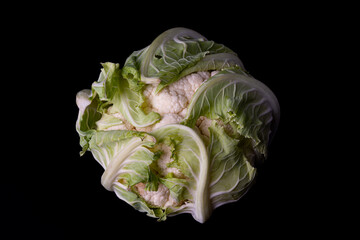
179,128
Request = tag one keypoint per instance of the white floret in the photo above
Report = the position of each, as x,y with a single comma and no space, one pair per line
175,97
203,123
160,198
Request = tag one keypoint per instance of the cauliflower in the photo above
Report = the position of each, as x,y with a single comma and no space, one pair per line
161,154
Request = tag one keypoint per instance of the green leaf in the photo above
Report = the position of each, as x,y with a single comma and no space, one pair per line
135,168
218,61
87,117
108,121
231,171
235,97
170,54
130,104
152,182
115,90
112,148
107,86
194,163
131,71
177,187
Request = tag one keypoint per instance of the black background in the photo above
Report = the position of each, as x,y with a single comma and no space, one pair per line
55,194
